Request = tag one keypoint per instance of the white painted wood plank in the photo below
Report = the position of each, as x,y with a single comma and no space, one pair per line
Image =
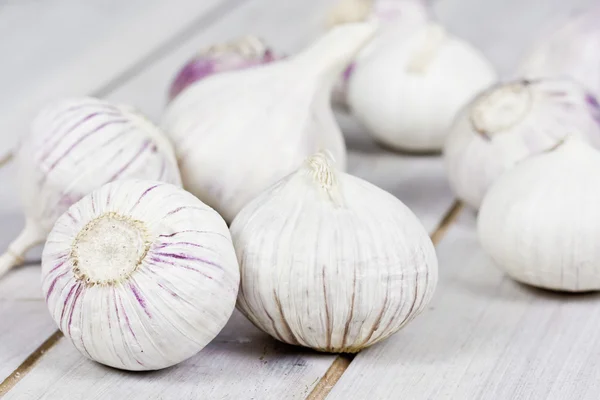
69,47
25,322
484,337
234,366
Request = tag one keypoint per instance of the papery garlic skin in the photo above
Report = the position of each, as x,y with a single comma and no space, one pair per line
406,90
236,134
403,15
140,275
330,261
245,52
573,51
74,147
539,222
510,122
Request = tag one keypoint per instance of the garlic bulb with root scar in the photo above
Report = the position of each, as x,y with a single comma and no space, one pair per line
405,15
510,122
539,222
140,275
74,147
407,89
573,51
235,134
330,261
245,52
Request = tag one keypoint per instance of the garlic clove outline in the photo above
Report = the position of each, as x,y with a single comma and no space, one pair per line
236,134
245,52
572,51
404,15
331,262
508,123
140,275
75,146
539,222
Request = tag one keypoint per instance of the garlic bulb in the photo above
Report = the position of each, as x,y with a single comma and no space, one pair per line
539,222
510,122
330,261
74,147
235,134
242,53
140,275
573,51
406,90
406,15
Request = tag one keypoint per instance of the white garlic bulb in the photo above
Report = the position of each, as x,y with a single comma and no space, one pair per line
235,134
573,51
74,147
245,52
407,89
140,275
330,261
510,122
539,222
405,15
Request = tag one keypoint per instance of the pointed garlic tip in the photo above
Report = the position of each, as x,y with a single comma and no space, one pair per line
336,49
435,37
29,237
346,11
154,263
501,108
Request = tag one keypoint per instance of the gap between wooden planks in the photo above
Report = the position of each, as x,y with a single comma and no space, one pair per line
342,362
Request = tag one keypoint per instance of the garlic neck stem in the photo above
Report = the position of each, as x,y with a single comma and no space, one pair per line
29,237
421,59
333,52
501,108
323,172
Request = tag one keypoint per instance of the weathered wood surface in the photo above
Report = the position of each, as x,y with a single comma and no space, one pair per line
484,337
242,362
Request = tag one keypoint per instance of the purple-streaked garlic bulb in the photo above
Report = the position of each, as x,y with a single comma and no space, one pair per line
246,52
140,275
573,51
510,122
401,15
74,147
236,134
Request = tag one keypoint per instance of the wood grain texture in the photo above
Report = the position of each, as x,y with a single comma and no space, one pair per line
458,349
484,337
68,47
24,319
242,363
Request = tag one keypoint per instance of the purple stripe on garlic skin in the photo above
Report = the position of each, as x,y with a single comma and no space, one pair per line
74,147
152,308
245,52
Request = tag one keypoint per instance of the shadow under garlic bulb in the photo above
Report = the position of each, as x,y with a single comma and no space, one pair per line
140,275
540,221
330,261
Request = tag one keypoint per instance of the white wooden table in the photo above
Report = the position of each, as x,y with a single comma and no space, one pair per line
483,336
